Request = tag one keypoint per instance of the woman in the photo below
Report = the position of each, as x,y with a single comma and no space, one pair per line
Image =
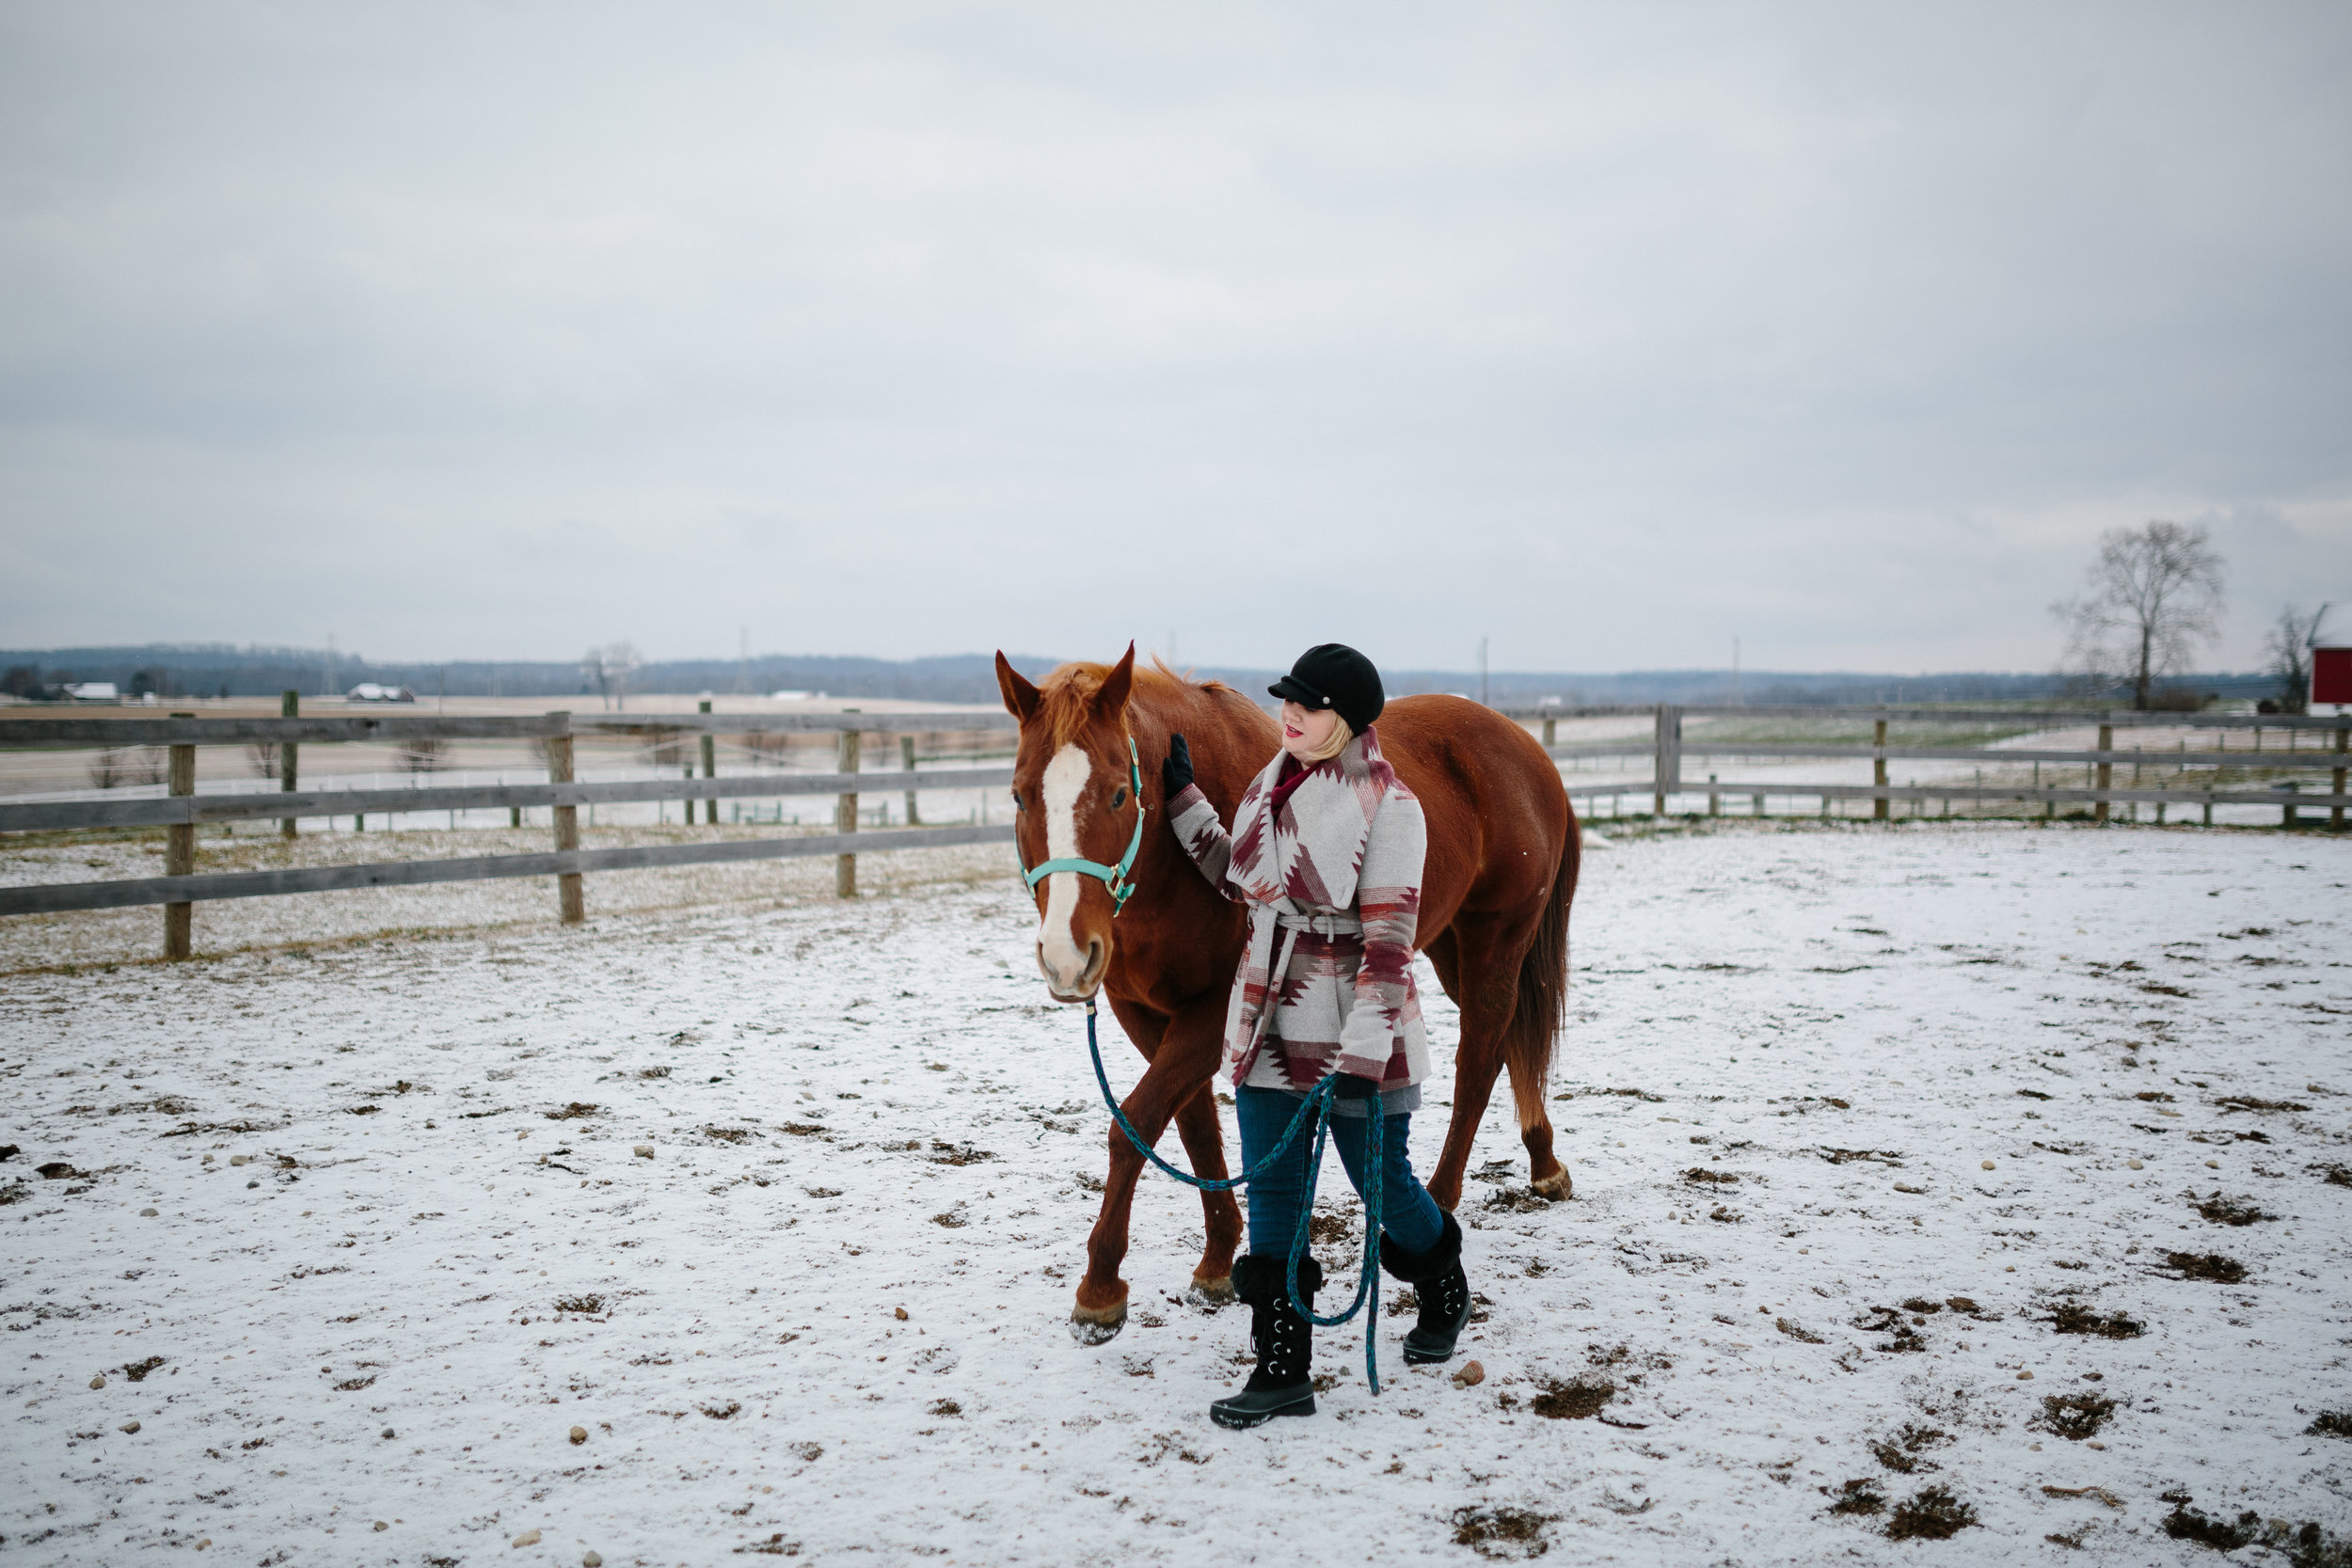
1326,850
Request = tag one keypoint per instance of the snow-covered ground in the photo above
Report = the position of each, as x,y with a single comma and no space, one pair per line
1812,1076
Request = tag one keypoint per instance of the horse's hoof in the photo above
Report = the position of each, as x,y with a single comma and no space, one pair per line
1097,1327
1210,1294
1558,1189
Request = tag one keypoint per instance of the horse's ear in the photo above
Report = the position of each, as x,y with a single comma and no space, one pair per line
1112,699
1021,698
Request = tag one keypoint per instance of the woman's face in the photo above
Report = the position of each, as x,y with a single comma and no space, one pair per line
1306,731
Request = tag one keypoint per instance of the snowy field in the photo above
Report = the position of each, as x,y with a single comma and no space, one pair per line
356,1241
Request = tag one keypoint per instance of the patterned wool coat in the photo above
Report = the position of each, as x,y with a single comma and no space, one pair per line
1346,847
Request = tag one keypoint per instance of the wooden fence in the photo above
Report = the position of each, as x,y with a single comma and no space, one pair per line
1664,748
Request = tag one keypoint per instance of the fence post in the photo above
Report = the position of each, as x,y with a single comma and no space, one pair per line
1714,800
1756,804
289,706
2335,814
710,770
906,759
2286,812
845,814
1666,758
2107,772
1878,773
1550,733
570,905
180,851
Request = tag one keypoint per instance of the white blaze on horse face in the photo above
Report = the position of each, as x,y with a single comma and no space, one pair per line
1057,951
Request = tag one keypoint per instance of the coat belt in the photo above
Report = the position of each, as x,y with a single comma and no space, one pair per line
1322,924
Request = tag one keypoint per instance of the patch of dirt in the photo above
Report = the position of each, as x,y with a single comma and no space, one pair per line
1902,1337
1323,1228
2248,1102
808,1130
1860,1496
727,1134
943,1153
2072,1317
1698,1174
1517,1200
1798,1331
2231,1210
2209,1266
2304,1545
2033,1094
945,1407
2331,1423
1901,1452
2074,1416
1502,1533
137,1372
2154,1097
1922,1307
1933,1514
1846,1156
2335,1175
1721,1215
724,1412
580,1304
1573,1402
571,1113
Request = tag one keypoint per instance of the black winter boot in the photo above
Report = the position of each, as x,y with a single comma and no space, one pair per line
1440,1285
1285,1341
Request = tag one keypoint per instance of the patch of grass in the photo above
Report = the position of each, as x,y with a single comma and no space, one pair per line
1798,1331
571,1113
2072,1317
2209,1266
2335,1175
2074,1416
1933,1514
1698,1174
580,1304
2248,1102
2331,1423
944,1153
1504,1533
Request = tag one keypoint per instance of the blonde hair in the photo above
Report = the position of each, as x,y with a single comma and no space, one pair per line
1341,735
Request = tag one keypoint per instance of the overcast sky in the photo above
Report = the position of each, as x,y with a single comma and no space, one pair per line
1609,332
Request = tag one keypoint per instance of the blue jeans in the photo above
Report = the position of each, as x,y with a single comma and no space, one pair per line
1408,1214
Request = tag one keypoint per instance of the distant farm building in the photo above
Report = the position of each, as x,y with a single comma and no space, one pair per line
367,691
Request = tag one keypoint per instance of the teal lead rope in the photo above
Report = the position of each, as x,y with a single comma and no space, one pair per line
1318,1103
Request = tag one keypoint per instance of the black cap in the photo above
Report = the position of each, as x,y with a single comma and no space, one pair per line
1334,676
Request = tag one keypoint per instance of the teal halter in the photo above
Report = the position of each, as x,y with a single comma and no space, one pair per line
1111,877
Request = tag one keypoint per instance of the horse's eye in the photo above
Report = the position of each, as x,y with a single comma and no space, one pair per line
1016,801
1118,799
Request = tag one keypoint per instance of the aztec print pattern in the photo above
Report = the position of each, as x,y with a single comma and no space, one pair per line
1349,841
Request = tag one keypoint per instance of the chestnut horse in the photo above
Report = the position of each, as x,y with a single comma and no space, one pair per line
1494,916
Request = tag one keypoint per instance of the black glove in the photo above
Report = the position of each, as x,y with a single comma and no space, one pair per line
1176,771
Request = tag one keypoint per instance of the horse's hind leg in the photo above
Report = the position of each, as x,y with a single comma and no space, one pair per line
1486,991
1204,1143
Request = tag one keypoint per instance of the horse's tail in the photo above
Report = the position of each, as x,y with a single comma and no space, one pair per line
1543,989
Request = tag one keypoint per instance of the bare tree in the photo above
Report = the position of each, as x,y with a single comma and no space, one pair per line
2289,645
262,758
608,669
106,770
423,755
2150,599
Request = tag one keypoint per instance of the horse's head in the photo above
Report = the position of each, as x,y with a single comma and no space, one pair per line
1073,799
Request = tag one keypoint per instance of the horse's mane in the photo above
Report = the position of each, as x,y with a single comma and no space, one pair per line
1067,695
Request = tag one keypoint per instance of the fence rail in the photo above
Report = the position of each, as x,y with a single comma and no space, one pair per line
182,811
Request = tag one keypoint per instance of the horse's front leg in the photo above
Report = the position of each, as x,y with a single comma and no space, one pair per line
1202,1027
1182,1060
